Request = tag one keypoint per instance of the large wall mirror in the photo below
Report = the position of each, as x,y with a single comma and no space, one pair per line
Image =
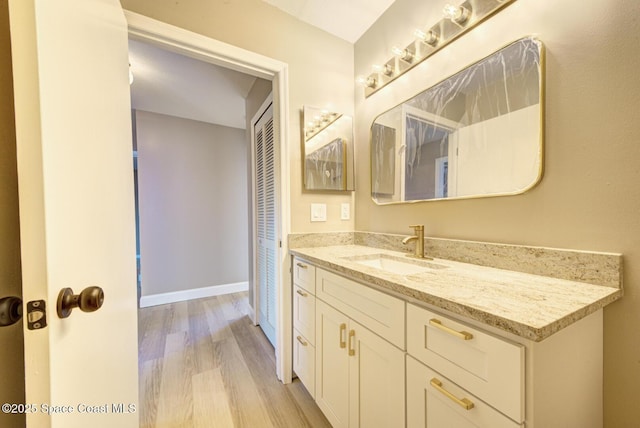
328,150
478,133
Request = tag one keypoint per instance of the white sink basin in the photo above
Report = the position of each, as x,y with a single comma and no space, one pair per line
396,265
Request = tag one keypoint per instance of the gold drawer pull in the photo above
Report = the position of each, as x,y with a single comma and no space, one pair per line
302,293
459,334
352,350
301,340
343,329
465,403
300,265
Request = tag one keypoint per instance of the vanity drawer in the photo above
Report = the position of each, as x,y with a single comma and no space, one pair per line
304,275
379,312
430,405
485,365
304,313
304,361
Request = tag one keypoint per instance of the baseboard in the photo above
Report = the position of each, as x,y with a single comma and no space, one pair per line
194,293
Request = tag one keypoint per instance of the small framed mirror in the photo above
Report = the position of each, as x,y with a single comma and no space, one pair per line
328,150
476,134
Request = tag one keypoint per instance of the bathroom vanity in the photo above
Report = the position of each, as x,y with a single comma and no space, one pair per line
385,340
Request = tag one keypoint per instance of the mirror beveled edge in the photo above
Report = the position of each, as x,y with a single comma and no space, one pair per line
541,143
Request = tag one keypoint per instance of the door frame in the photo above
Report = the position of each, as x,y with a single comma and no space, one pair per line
213,51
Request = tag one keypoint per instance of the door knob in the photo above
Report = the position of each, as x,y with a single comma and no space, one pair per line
10,310
89,300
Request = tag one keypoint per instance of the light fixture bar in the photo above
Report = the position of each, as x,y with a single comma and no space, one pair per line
320,123
456,21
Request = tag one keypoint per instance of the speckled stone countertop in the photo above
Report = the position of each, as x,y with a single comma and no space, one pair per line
528,305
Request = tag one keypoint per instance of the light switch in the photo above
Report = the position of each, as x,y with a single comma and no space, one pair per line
345,211
318,212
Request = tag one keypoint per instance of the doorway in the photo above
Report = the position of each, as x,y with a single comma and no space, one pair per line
218,53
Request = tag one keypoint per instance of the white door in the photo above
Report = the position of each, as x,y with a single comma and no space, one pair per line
266,221
332,364
377,380
73,131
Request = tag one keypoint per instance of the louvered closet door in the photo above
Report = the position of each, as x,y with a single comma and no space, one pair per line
266,219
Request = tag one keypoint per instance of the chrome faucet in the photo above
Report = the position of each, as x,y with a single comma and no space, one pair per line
419,238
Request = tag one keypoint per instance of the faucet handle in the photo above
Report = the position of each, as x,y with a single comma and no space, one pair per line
418,227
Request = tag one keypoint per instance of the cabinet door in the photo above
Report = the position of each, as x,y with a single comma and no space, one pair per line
304,357
332,364
377,379
428,406
304,313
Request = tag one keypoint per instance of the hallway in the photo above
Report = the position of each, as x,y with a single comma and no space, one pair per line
203,364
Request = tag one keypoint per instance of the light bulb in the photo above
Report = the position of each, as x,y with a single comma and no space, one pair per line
386,69
369,81
457,14
430,37
403,54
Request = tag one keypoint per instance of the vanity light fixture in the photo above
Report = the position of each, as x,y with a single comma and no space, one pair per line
403,54
457,20
430,37
320,122
370,81
457,14
386,69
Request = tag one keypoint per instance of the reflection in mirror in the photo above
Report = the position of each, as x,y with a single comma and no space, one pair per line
328,150
477,133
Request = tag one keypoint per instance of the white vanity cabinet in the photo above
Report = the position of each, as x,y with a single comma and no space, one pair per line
304,323
465,374
489,367
511,381
359,375
435,401
371,359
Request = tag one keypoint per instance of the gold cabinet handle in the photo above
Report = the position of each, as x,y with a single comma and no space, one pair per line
459,334
300,265
302,293
301,340
343,329
463,402
352,349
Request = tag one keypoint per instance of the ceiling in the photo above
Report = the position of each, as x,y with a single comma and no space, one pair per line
168,83
347,19
172,84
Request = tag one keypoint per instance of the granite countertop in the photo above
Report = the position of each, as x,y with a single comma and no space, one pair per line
530,306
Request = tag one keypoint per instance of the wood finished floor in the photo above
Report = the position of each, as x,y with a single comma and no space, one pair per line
204,364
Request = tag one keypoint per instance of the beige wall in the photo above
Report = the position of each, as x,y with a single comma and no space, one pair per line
320,73
11,338
192,181
589,197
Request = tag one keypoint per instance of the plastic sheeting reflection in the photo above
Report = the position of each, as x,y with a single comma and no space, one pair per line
324,168
477,133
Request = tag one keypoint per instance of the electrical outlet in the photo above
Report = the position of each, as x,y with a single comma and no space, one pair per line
318,212
345,211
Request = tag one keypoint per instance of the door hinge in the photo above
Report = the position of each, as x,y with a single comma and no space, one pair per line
280,243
